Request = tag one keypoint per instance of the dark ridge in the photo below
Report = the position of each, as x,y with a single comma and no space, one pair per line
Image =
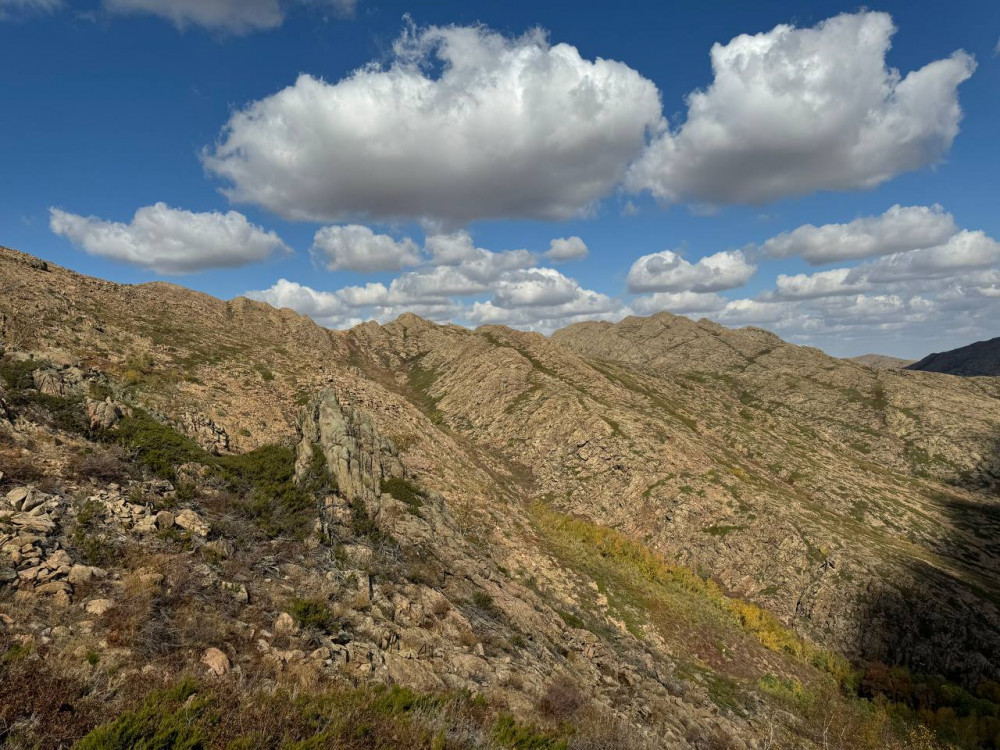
981,358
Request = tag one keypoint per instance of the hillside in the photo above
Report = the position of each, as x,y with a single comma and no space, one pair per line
881,361
657,533
979,359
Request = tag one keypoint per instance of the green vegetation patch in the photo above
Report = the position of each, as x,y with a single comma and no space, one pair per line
263,479
313,614
404,490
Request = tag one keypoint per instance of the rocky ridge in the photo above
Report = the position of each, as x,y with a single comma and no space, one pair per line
662,526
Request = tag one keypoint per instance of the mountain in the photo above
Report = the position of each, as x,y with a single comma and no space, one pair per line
980,358
881,361
223,523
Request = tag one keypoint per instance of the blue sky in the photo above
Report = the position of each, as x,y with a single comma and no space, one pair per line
425,146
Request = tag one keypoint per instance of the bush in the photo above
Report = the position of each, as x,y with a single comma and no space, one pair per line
561,699
101,464
18,470
313,614
158,447
166,721
405,491
18,375
510,734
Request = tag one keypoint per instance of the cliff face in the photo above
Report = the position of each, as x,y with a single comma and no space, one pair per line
655,533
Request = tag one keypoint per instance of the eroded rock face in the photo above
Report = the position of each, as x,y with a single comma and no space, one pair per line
60,381
357,456
205,432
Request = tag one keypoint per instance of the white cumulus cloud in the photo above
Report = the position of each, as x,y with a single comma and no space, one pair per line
357,248
899,229
462,124
567,248
666,271
792,111
679,303
169,240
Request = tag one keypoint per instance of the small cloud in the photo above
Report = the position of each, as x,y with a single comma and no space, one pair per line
567,248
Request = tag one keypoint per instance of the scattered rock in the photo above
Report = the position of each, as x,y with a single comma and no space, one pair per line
216,661
188,519
285,625
99,606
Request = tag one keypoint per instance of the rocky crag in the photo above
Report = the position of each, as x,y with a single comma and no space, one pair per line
656,533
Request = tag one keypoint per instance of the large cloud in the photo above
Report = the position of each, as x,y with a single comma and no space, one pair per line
792,111
509,127
897,230
168,240
230,16
358,248
667,271
964,252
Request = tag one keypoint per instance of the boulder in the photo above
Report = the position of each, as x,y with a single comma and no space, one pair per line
104,415
216,661
285,625
357,456
99,606
80,574
16,497
188,519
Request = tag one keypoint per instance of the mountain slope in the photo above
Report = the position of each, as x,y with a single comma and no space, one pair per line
654,533
881,361
980,358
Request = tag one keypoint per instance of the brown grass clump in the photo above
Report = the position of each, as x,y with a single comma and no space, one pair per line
561,699
102,465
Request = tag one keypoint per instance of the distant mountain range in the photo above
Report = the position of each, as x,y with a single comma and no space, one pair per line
981,358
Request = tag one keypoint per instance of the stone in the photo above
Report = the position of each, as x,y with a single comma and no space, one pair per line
53,587
216,661
16,497
99,606
104,415
285,625
42,524
80,574
58,559
145,525
188,519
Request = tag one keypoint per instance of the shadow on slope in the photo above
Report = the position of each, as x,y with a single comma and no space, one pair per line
931,643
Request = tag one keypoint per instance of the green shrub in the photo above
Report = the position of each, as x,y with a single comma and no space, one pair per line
18,375
313,614
510,734
405,491
166,721
265,371
157,447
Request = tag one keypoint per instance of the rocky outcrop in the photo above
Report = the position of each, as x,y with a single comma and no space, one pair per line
205,432
104,415
357,456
